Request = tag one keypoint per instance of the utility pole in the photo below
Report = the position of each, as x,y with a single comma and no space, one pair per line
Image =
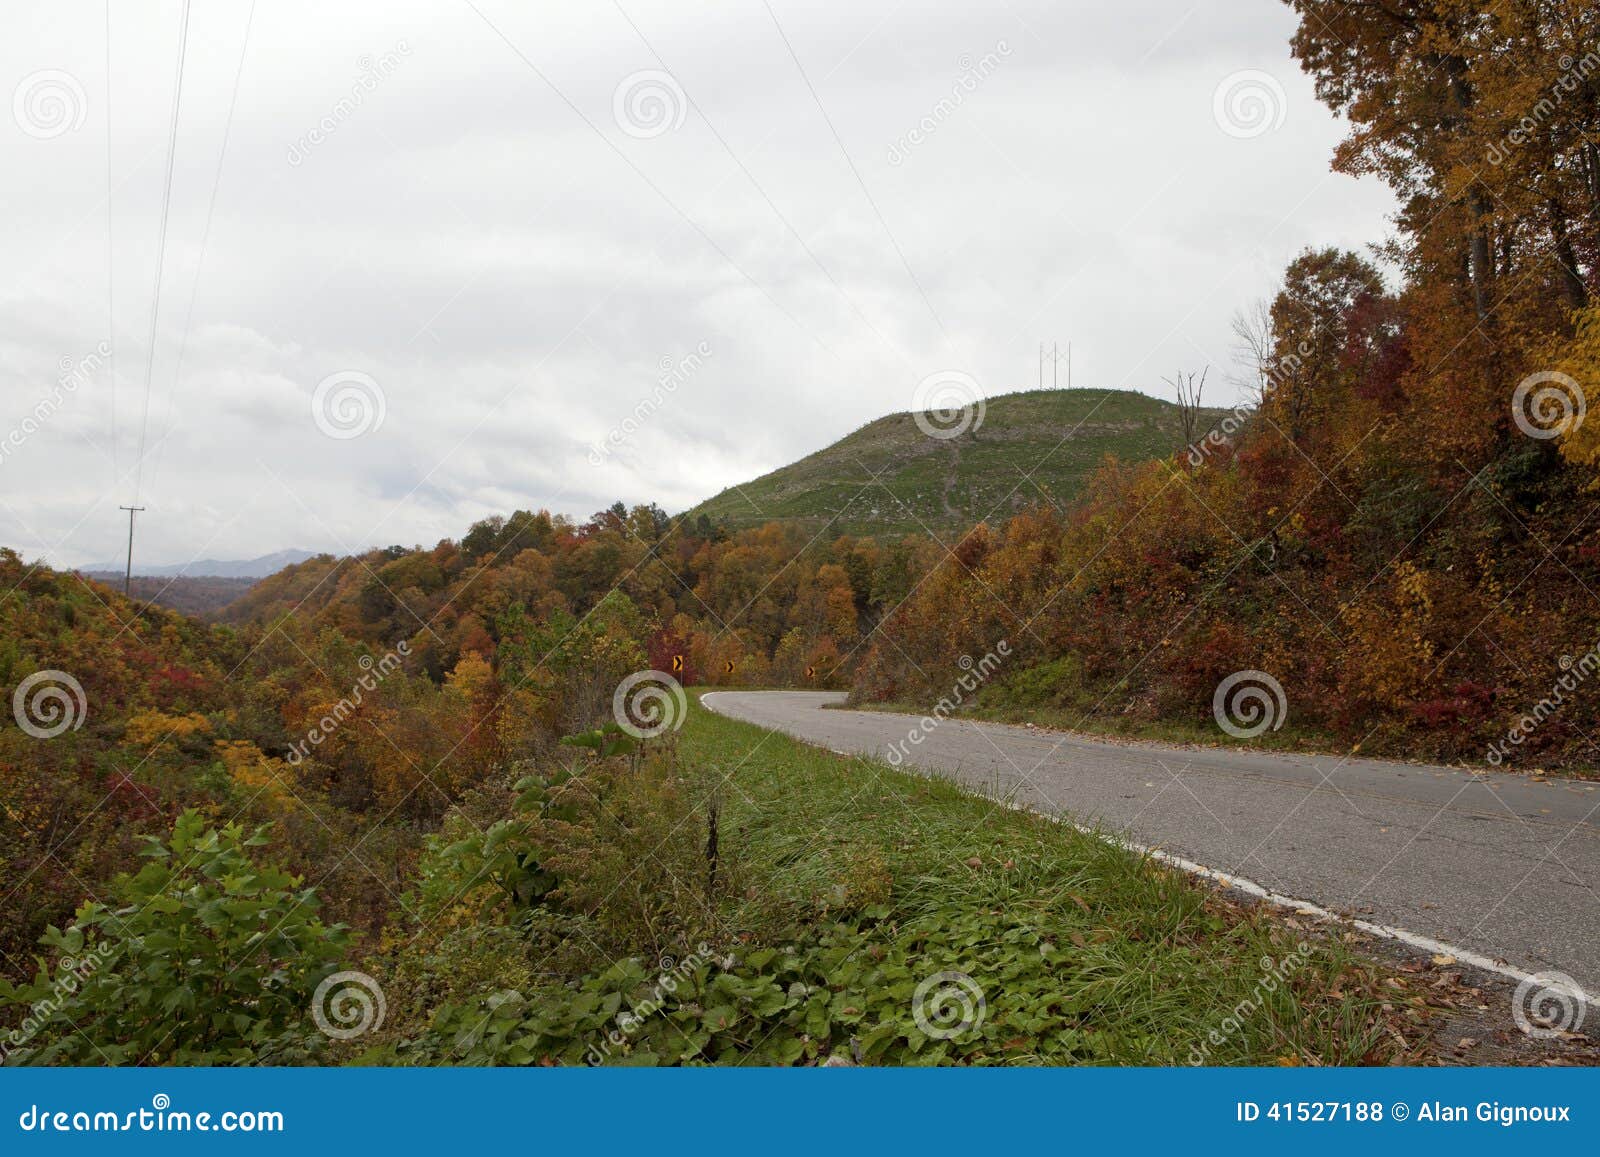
127,577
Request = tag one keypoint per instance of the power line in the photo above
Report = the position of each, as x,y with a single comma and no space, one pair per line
865,192
205,238
161,259
764,194
111,268
645,177
759,188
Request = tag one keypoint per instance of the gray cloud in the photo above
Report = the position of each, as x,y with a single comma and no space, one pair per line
512,278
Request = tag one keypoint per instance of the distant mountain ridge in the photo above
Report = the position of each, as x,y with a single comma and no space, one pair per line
252,568
891,476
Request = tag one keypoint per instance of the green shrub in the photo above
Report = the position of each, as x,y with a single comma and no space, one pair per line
1058,683
494,870
207,957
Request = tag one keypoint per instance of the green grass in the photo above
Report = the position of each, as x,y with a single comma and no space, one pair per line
1033,447
1176,732
1057,694
851,884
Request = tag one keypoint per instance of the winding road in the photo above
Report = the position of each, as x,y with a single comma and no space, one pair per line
1494,864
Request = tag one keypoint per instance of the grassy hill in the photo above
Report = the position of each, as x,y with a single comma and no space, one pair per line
1040,445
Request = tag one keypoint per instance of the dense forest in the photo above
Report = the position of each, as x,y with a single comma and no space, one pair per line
480,654
378,756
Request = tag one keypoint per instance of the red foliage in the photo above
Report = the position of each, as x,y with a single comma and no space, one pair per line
1467,704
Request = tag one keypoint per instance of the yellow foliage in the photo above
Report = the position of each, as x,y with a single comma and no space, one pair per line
251,768
1578,358
1389,645
472,678
148,728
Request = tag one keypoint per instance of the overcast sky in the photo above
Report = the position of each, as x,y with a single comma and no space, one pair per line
488,233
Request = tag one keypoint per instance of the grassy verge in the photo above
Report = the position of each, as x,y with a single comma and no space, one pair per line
876,916
1180,733
1173,732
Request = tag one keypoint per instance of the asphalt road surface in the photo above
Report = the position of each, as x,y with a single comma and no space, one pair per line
1494,863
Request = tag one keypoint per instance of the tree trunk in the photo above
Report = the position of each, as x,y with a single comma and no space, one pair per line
1571,281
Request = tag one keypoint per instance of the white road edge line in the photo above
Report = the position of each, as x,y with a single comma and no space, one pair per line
1250,887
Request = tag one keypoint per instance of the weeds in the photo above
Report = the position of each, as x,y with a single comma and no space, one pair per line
803,903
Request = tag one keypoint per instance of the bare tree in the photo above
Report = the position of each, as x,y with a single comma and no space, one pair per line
1252,349
1188,390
